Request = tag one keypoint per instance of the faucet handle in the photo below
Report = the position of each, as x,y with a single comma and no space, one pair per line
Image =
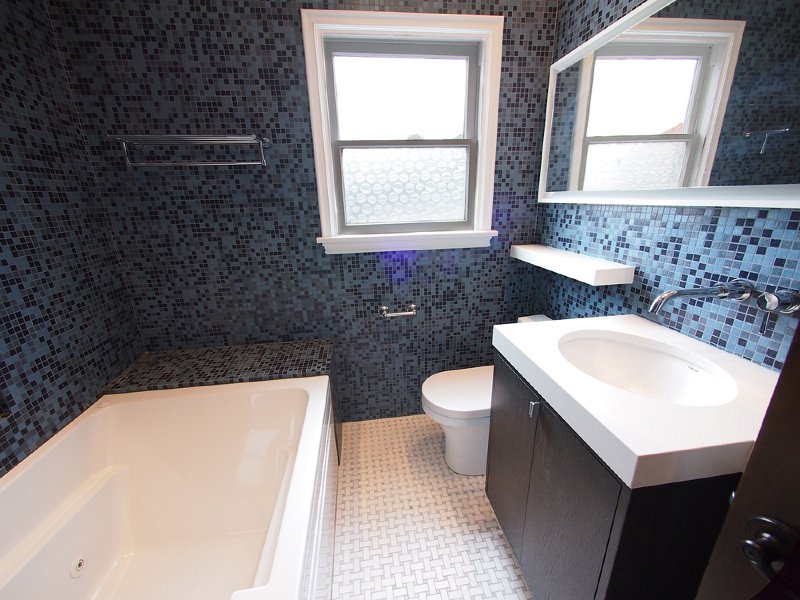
784,301
737,289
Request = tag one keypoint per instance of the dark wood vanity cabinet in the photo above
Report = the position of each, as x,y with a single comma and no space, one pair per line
578,532
511,448
565,535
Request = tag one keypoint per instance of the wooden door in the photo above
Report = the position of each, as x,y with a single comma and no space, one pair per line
770,487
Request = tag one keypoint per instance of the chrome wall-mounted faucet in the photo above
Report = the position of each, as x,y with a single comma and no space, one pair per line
770,303
737,289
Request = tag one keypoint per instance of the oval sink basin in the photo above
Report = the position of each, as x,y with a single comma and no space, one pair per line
648,368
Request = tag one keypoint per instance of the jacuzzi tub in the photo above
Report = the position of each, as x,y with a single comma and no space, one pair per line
223,491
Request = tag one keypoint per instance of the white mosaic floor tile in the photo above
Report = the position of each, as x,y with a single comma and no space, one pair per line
408,527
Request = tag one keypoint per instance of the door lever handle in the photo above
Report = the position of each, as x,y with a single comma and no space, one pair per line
769,543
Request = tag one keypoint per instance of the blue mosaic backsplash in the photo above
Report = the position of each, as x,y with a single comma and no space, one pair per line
66,323
677,248
220,256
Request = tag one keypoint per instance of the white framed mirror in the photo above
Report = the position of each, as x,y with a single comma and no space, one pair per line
679,106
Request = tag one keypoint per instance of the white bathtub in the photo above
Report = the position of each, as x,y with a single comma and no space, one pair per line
214,492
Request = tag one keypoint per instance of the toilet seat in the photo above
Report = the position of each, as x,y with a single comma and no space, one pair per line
459,394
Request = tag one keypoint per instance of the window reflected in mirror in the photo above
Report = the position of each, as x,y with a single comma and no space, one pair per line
702,94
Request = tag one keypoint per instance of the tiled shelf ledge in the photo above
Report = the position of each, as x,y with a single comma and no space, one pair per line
172,369
588,269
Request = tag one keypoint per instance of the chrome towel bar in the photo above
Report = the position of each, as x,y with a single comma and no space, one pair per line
410,311
190,140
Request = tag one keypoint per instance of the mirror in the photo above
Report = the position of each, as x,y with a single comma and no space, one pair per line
692,103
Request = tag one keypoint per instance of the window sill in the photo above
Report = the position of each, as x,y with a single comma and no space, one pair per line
387,242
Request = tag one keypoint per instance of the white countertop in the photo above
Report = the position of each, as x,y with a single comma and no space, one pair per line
643,440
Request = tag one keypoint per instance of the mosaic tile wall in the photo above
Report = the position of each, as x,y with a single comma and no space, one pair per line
171,369
562,133
765,94
674,248
671,247
213,256
227,255
67,326
580,20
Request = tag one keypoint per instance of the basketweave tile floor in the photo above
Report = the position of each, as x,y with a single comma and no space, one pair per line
409,527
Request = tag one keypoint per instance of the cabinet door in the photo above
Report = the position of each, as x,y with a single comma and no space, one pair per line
511,436
571,504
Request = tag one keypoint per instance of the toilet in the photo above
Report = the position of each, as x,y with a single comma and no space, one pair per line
460,401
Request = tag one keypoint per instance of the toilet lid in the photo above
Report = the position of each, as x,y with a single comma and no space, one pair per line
459,394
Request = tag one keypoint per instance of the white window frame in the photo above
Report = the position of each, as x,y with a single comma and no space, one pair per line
469,141
715,44
320,26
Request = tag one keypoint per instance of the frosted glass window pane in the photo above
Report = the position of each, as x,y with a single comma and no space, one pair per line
640,96
634,166
404,185
406,98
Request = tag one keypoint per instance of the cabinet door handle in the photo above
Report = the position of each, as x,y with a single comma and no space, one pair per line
533,409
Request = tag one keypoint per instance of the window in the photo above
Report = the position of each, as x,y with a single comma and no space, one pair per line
404,119
651,105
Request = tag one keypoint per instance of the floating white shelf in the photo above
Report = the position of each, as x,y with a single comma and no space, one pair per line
588,269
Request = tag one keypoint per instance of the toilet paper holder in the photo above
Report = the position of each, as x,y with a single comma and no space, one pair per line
410,311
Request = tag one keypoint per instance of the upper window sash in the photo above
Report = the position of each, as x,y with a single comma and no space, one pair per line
685,49
469,51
